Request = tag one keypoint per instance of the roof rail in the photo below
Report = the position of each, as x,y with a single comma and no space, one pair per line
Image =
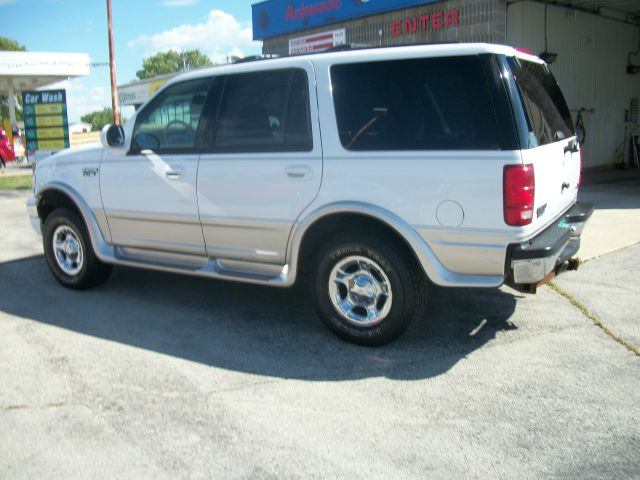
254,58
346,46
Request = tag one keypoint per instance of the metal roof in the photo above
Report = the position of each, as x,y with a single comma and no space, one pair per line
31,70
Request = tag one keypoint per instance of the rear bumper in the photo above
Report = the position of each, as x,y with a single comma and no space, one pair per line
536,261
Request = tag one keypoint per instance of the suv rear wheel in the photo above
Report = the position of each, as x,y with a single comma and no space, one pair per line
367,289
69,254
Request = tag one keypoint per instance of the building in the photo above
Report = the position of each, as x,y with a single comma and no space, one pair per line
593,46
135,93
79,127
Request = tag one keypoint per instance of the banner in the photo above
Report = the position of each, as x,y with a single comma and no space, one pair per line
317,42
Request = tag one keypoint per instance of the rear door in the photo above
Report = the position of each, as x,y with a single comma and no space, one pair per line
547,137
262,163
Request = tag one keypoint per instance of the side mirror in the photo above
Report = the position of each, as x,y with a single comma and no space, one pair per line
112,136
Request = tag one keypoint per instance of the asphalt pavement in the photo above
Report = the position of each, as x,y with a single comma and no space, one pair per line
155,375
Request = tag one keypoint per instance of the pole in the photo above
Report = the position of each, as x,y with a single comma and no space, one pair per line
112,68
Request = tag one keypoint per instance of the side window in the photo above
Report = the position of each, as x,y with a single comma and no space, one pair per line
548,117
415,104
171,121
264,112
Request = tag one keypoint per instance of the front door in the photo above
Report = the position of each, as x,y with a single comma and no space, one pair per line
149,193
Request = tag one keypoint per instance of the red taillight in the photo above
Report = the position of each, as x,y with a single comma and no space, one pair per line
519,186
524,50
580,169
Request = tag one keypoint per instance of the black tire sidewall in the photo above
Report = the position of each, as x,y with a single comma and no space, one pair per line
65,218
400,314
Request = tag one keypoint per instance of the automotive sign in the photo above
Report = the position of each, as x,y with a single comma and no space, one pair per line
45,120
278,17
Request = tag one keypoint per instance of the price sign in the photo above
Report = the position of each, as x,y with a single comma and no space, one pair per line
45,120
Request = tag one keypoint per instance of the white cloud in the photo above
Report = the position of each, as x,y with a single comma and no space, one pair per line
7,2
83,98
220,35
178,3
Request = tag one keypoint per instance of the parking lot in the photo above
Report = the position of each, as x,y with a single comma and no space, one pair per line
166,376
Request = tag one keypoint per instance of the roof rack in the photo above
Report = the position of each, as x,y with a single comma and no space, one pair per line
255,58
338,48
365,46
346,46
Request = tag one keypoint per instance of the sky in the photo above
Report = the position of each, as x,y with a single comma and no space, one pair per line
218,28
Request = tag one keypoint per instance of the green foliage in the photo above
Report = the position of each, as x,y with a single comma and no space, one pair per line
98,119
4,109
171,62
9,44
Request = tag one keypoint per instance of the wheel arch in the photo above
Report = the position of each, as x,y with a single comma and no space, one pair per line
52,199
57,195
311,231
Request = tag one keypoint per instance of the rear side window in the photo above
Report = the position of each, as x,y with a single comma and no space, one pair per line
264,112
548,117
416,104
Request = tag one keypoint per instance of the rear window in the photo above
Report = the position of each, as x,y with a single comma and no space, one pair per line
415,104
547,114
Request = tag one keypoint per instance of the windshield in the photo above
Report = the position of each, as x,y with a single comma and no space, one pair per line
548,117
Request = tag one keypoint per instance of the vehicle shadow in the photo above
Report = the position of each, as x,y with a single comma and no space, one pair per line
259,330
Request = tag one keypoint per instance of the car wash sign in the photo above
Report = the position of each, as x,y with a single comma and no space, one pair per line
45,120
279,17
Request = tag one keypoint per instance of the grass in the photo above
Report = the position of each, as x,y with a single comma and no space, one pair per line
628,345
15,182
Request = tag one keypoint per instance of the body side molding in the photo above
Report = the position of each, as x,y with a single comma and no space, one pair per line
430,264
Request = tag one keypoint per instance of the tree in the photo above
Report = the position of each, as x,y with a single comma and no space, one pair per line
171,62
98,119
9,44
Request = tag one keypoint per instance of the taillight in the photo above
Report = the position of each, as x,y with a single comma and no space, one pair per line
518,187
524,50
580,169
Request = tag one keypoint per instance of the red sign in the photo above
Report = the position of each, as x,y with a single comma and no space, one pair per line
312,10
317,42
425,23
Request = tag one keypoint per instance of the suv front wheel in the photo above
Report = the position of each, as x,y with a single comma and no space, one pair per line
367,289
69,254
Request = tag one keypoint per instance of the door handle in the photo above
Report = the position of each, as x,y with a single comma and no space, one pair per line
298,172
172,175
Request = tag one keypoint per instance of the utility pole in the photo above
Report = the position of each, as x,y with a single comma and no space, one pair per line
112,68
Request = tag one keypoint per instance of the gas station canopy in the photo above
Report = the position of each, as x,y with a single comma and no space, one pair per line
22,71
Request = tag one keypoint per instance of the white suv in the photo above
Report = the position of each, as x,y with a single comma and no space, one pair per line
375,171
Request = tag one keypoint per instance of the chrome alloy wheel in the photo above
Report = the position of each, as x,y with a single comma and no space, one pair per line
360,291
68,250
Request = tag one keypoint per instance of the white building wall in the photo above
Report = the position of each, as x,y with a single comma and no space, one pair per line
590,68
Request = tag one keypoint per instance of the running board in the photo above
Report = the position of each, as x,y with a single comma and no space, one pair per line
224,269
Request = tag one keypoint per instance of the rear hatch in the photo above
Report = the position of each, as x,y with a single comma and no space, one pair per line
547,137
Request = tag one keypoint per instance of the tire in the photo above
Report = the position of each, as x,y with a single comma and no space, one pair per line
69,254
367,288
